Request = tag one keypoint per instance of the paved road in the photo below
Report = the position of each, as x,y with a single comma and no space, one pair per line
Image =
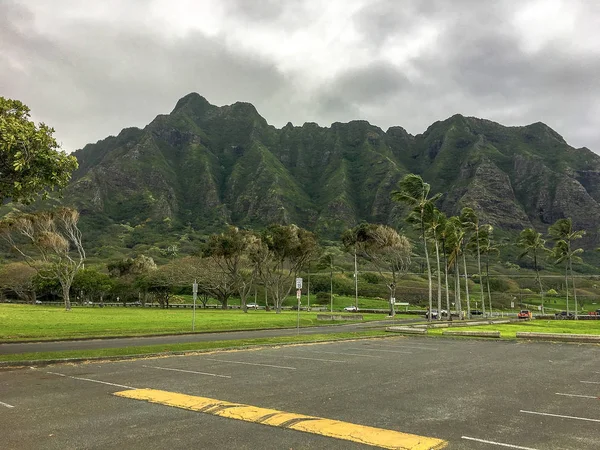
55,346
480,395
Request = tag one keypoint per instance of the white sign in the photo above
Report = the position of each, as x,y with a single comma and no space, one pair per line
195,288
512,304
539,308
298,283
298,294
401,304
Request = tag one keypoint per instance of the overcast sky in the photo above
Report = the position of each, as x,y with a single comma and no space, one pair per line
91,68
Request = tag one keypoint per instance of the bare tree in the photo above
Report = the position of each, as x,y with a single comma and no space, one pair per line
51,237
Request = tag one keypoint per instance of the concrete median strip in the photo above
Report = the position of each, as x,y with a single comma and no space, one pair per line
489,334
591,338
377,437
407,330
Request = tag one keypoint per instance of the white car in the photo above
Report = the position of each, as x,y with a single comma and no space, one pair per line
351,309
252,305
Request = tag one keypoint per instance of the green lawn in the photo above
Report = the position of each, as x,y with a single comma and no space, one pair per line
28,322
509,330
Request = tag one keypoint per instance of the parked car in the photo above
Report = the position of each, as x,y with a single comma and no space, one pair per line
563,315
434,314
351,308
476,312
252,305
524,314
38,302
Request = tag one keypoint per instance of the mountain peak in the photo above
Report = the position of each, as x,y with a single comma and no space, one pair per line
192,100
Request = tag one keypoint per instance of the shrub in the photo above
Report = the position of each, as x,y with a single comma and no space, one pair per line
323,298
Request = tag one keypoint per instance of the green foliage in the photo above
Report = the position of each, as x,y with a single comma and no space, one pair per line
31,161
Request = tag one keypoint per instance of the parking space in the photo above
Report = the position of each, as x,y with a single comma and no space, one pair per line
469,394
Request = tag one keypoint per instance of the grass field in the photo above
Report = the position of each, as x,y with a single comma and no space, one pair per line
27,322
509,330
188,347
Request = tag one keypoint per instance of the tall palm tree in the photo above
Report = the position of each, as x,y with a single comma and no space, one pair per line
533,244
413,191
563,235
471,222
444,237
435,221
465,229
488,247
455,240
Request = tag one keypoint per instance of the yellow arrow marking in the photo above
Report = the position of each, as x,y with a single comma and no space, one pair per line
378,437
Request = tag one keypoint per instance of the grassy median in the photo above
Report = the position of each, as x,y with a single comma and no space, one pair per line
28,322
509,330
187,347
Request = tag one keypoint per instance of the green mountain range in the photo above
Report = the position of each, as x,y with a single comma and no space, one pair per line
202,166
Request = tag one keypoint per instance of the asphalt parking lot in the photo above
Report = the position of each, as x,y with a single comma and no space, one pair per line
411,392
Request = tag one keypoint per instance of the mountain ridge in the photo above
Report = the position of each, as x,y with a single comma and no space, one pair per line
206,166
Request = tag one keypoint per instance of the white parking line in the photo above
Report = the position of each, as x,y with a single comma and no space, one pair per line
315,359
6,404
561,416
496,443
415,347
381,350
341,354
249,364
188,371
578,395
93,381
590,382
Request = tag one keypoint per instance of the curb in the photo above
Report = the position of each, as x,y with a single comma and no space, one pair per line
589,338
407,330
488,334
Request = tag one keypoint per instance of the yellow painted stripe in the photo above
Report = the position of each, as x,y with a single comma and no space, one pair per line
378,437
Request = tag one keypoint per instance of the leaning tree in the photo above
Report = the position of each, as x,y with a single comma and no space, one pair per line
385,248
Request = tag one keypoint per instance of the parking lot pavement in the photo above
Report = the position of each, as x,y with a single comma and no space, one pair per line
470,394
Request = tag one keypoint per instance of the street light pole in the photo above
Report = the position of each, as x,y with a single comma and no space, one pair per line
195,295
355,281
331,282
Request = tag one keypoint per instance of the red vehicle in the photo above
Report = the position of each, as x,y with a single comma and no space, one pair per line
524,314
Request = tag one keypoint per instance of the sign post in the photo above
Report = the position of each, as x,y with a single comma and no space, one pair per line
298,295
195,295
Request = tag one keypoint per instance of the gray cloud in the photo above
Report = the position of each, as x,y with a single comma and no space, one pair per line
404,63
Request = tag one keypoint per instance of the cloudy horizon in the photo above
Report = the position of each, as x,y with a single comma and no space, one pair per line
90,70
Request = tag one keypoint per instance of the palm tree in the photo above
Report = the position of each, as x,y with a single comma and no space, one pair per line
435,221
455,240
533,244
563,235
471,222
444,236
465,228
414,192
487,248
